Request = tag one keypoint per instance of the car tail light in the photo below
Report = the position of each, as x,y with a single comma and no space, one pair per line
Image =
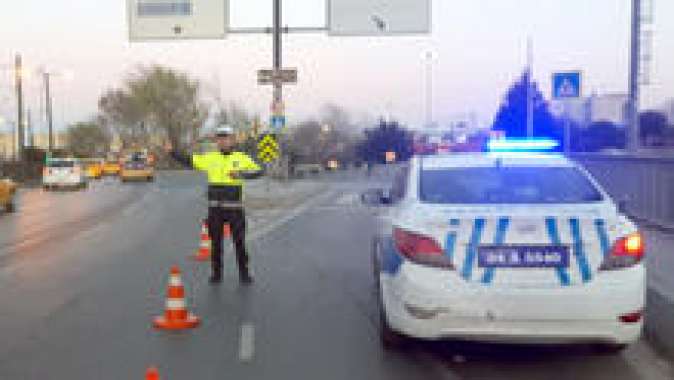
421,249
626,252
631,317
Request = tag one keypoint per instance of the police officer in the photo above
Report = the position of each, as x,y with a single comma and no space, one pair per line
226,170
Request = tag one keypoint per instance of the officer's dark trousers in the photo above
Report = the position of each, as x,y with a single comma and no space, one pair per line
217,218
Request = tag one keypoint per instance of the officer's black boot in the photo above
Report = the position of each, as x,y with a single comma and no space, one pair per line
244,277
216,277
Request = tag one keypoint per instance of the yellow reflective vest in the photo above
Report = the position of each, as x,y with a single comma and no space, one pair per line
219,166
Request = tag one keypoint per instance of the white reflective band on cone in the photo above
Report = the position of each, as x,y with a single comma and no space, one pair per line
175,281
175,304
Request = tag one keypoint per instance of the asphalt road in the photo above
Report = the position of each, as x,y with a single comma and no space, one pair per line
82,274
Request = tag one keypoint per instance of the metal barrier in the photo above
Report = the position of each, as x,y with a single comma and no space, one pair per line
645,184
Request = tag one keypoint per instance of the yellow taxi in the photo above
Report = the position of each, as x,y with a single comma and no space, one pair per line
136,170
111,168
7,191
94,168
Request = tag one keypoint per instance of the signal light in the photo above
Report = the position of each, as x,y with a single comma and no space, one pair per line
421,249
522,145
626,252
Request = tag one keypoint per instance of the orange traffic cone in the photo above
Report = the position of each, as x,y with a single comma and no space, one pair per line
204,252
176,316
152,373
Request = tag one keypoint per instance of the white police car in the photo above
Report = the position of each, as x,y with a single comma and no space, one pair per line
523,248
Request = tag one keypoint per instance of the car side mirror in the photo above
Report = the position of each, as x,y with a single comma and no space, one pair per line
375,197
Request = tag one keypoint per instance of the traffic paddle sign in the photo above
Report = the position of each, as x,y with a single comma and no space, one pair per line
267,149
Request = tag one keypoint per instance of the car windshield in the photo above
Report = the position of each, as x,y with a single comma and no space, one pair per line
505,185
61,164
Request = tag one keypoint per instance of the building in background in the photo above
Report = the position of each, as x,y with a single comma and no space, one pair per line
40,140
592,109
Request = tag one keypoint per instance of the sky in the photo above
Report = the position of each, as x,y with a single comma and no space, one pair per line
479,49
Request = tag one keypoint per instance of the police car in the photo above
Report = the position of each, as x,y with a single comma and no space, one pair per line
506,247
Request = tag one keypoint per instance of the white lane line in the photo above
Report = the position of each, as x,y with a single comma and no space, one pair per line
265,230
247,342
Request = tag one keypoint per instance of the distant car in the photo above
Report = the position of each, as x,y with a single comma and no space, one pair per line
63,173
139,170
94,168
506,248
111,168
7,192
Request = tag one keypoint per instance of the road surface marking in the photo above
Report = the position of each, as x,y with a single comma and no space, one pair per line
289,216
247,342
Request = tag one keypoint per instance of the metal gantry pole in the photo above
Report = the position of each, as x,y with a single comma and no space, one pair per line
633,143
278,50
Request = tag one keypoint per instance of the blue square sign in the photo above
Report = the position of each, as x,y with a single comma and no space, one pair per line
277,122
566,85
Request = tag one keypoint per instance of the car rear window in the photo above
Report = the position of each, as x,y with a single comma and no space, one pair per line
61,164
507,185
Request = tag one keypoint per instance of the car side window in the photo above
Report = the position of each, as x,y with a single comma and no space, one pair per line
399,187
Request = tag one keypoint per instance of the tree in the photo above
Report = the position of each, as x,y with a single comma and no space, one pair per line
652,128
386,137
155,102
512,115
87,139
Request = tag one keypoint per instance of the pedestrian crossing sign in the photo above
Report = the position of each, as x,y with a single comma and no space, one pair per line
267,148
566,85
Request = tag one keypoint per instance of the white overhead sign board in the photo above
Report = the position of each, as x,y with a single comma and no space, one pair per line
378,17
177,19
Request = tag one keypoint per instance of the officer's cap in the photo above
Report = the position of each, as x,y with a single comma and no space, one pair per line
224,131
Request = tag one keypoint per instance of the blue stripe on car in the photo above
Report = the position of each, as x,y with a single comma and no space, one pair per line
553,233
449,245
603,236
499,238
471,249
391,258
579,251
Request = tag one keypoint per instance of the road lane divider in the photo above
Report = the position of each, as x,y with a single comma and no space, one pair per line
176,316
247,342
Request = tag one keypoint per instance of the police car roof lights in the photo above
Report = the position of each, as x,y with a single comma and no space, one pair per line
522,145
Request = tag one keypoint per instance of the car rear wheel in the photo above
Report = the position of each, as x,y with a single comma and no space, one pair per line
10,207
391,340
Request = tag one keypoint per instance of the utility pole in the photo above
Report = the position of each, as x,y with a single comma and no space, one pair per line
278,50
18,74
530,89
633,143
48,109
29,129
429,88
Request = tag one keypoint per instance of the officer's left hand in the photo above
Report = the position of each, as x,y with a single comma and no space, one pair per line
235,175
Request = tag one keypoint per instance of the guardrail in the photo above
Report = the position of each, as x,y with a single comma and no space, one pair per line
644,183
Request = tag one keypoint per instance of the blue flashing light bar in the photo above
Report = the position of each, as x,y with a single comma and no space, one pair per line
522,145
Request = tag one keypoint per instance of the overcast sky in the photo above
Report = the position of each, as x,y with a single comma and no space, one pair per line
480,48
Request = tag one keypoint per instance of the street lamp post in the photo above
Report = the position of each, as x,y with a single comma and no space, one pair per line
48,109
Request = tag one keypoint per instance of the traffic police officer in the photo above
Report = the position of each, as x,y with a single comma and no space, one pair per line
226,170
